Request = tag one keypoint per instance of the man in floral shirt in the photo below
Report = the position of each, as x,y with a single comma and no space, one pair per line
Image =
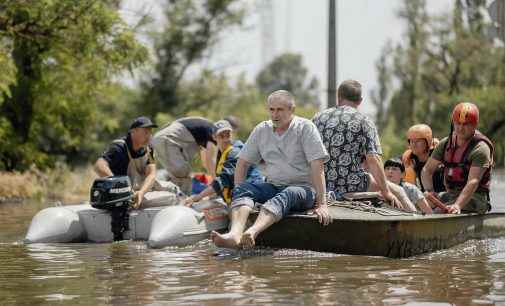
351,138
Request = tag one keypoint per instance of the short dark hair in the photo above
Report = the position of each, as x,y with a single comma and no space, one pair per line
350,90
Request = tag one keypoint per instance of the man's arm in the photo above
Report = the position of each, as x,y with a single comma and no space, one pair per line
319,183
427,173
224,179
102,168
374,162
424,206
241,171
150,174
474,177
197,197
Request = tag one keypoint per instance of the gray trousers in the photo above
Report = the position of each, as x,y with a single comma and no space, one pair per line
175,148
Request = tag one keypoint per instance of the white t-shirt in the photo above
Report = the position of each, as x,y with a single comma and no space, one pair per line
287,157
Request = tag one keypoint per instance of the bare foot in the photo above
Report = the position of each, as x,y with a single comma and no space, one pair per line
247,240
224,241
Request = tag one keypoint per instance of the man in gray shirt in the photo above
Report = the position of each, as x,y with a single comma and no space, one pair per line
294,157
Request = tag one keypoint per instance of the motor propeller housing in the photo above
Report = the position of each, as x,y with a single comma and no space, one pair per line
111,192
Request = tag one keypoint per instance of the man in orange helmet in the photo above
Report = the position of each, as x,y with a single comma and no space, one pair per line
467,156
421,145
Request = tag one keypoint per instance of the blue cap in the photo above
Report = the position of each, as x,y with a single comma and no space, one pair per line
142,122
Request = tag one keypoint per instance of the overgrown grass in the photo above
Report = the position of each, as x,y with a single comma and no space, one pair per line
15,186
59,184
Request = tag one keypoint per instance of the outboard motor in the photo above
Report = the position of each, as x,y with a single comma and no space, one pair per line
115,194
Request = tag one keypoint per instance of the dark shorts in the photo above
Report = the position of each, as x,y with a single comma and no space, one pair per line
278,200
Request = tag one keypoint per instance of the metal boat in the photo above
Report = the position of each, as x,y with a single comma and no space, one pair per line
362,228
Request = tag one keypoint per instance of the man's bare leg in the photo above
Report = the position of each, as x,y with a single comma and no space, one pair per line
231,239
265,219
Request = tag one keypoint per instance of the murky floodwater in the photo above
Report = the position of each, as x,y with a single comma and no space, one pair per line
128,273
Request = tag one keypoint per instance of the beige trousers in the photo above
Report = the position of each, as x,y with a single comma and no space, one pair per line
175,148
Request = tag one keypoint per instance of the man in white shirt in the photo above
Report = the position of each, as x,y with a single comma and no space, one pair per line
294,155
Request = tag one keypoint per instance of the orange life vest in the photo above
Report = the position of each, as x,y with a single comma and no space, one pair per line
413,168
410,172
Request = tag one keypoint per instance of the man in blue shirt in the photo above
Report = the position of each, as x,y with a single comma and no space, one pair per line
131,155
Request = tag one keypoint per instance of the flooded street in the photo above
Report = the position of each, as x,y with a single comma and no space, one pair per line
128,273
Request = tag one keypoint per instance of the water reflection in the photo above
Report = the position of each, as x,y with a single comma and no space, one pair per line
130,274
498,190
15,219
121,274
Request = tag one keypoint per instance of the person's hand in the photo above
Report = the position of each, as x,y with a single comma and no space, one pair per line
454,209
392,199
323,214
190,200
138,196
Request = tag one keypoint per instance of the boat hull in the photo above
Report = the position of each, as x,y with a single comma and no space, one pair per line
173,225
83,223
366,233
181,225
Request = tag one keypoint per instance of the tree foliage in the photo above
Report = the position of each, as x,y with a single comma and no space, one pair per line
60,57
191,29
445,59
236,97
288,72
380,96
59,95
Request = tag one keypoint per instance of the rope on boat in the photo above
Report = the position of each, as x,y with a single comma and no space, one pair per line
367,206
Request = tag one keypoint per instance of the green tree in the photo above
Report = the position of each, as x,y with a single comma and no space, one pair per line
62,56
236,97
191,29
452,60
408,62
288,72
380,96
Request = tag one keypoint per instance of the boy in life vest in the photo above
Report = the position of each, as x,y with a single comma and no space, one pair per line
467,156
227,157
395,173
421,145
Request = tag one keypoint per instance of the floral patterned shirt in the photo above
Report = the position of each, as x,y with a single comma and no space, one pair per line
348,136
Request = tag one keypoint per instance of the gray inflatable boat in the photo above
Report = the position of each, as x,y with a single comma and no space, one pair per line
158,224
